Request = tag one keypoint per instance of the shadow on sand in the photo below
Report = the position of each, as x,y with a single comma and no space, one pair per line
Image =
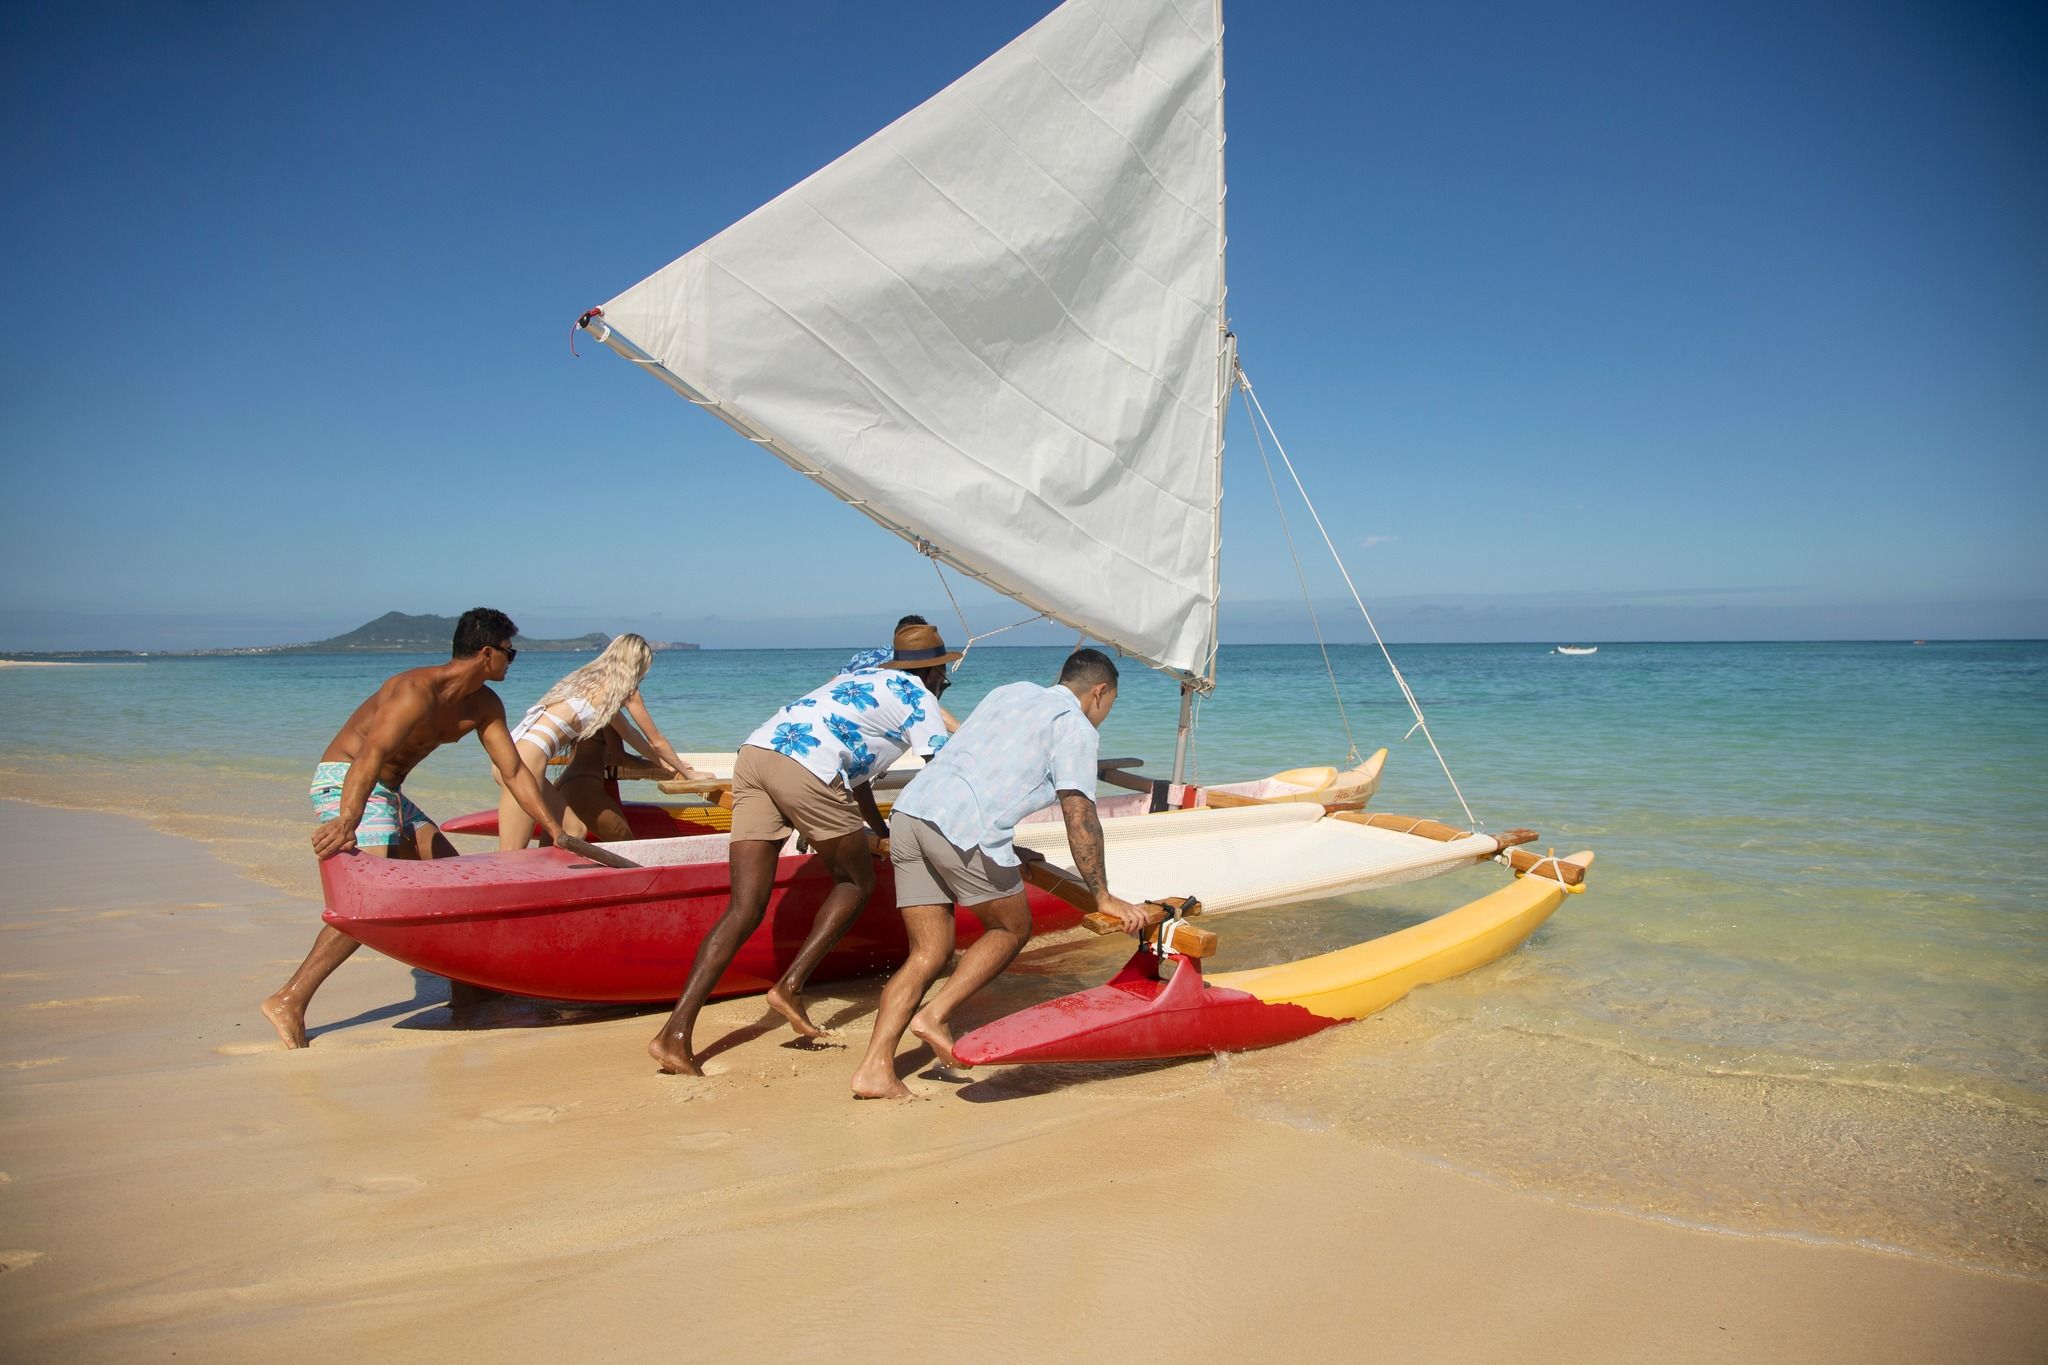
489,1010
1027,1082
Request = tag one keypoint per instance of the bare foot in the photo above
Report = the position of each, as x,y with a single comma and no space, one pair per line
879,1083
674,1059
792,1009
288,1017
937,1037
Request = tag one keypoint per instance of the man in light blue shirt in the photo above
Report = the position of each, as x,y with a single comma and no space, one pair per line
951,842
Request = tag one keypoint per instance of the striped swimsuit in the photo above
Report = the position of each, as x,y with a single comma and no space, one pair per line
541,729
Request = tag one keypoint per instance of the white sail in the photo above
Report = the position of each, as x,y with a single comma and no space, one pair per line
996,326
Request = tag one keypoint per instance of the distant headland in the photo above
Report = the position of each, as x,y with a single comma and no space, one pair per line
394,632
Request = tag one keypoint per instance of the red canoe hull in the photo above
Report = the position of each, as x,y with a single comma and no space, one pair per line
646,820
545,923
1138,1016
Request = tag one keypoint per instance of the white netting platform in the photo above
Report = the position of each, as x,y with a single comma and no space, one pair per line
1258,856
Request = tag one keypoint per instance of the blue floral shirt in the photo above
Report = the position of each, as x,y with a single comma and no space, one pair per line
855,726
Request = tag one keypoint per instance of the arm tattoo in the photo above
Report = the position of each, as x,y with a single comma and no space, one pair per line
1084,840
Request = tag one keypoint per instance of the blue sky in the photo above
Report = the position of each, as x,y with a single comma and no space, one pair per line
1604,321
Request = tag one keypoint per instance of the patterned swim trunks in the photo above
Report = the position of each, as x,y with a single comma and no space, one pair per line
386,815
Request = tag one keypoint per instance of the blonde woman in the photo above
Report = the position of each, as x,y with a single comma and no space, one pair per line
596,697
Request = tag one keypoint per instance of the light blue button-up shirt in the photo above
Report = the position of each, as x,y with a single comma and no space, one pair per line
1020,746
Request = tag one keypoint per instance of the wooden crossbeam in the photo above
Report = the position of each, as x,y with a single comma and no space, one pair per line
1071,889
1188,939
1520,859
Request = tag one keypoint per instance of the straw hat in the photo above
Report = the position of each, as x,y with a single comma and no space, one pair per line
920,647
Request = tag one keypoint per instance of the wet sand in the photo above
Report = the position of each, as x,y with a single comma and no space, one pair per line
173,1181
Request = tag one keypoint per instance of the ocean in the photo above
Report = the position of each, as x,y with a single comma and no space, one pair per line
1806,994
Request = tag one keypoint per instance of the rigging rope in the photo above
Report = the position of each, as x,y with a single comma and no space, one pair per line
1244,382
931,552
1302,579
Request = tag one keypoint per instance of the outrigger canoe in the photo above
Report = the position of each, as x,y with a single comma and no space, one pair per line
1140,1015
548,923
545,922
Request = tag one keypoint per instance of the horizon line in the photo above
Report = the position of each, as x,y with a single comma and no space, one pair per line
695,648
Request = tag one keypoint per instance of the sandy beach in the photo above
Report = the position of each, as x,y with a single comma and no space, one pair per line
175,1182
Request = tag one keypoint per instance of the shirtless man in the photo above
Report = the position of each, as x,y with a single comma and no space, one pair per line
356,792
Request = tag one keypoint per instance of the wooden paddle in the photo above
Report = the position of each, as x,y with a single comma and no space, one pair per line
584,849
695,786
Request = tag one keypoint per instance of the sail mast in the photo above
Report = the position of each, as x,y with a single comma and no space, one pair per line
1226,351
1226,365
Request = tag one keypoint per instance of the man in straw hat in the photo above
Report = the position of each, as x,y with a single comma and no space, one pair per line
1024,747
810,769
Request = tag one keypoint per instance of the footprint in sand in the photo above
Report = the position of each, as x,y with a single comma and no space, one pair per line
34,1062
83,1002
378,1185
699,1142
249,1049
244,1132
15,1260
526,1113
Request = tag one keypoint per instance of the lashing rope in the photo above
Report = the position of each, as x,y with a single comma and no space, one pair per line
1556,874
931,552
1168,927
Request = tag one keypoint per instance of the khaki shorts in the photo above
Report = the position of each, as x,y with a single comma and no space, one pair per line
773,793
930,870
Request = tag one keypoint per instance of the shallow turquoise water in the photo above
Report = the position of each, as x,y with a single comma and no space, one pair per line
1808,990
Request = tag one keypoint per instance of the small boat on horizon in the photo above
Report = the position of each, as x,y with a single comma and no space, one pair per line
1576,649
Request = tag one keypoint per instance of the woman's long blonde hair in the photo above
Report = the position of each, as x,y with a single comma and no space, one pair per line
606,681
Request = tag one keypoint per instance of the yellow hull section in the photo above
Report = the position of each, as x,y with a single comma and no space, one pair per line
1354,982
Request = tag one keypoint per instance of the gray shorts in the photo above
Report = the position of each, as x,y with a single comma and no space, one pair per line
932,871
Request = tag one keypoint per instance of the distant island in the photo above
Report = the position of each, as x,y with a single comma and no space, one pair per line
397,633
394,632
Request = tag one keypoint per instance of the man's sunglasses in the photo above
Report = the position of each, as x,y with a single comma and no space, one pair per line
508,651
